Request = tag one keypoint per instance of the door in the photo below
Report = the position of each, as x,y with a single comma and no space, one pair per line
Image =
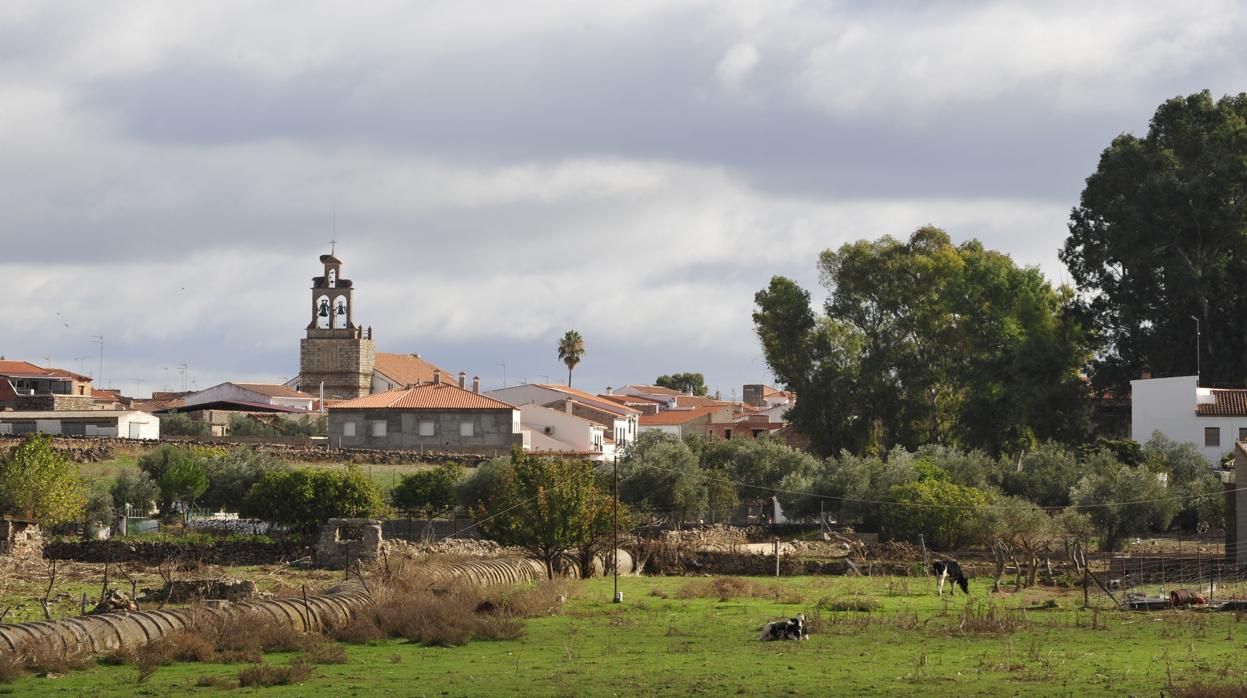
136,430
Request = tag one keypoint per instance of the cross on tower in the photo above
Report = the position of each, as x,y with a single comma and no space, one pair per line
333,243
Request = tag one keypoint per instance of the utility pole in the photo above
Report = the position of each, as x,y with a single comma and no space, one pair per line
504,374
182,368
615,548
99,378
1196,349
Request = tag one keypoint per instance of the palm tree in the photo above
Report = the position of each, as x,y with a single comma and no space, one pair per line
571,348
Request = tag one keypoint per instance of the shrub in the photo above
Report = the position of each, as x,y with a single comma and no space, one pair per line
431,493
325,653
218,682
945,512
361,629
177,424
231,475
304,499
177,472
50,657
10,668
264,675
135,488
38,482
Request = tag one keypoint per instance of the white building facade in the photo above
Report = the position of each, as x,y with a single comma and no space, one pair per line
1212,419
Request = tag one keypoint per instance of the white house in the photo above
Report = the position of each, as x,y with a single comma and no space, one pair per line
253,394
621,421
122,424
559,430
1210,418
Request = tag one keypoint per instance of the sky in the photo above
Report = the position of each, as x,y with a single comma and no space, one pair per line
497,173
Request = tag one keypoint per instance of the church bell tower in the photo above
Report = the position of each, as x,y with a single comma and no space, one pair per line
336,351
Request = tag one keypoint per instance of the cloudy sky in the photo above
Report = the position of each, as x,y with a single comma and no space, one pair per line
502,172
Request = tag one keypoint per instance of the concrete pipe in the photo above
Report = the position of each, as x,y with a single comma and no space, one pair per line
100,634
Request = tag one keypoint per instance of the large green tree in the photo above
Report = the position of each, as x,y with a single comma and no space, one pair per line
306,498
548,506
1158,242
39,483
924,341
687,382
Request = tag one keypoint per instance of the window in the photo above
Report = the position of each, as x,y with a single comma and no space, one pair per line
378,428
1212,437
426,427
727,433
465,428
348,429
1242,433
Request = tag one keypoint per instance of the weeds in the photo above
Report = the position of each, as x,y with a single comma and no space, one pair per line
988,619
10,668
855,603
264,675
325,653
217,682
728,588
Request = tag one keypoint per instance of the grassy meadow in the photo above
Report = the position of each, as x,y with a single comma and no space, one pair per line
682,636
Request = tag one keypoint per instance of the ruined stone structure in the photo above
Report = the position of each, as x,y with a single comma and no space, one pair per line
345,541
336,351
20,537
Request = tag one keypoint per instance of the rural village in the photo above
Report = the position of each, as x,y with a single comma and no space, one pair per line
945,471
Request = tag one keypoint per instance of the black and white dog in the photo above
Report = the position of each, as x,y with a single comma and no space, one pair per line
949,569
791,629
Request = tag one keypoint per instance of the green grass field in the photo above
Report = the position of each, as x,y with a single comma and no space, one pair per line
657,643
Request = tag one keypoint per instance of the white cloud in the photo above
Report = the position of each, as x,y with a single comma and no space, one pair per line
737,64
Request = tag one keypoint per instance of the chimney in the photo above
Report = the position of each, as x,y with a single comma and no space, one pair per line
608,390
437,376
476,384
462,377
567,406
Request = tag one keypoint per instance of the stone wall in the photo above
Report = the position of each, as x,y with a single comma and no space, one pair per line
48,403
154,552
344,542
344,364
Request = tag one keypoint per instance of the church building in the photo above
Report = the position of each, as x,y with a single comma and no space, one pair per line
341,355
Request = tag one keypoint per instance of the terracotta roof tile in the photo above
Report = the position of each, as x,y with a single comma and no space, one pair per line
679,416
407,369
654,389
590,399
1228,402
428,396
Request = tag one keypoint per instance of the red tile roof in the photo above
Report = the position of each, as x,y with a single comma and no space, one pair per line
631,399
655,389
679,416
1228,402
428,396
273,390
590,399
408,369
25,368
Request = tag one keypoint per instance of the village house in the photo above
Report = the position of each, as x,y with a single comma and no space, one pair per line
682,422
437,416
621,422
1211,419
25,386
121,424
559,431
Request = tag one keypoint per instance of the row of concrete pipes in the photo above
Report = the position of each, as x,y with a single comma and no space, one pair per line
108,632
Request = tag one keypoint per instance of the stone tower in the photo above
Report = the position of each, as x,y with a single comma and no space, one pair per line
336,351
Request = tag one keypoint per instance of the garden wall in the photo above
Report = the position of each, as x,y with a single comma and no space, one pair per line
223,552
